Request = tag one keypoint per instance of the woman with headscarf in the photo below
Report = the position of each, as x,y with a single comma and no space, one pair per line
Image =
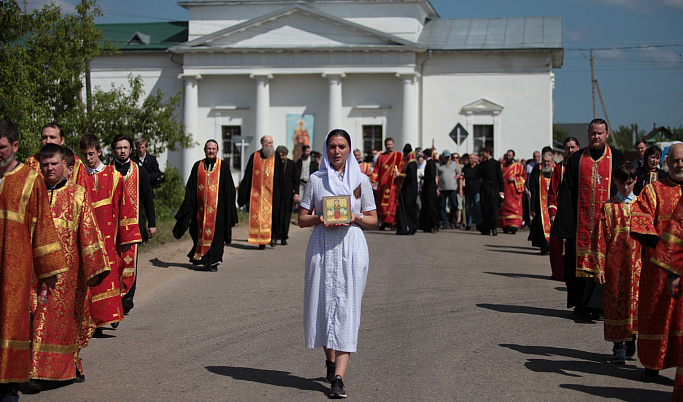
337,257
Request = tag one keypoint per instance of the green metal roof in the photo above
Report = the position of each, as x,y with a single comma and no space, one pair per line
148,36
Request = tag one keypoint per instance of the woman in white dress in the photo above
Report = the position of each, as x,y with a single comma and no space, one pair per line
337,257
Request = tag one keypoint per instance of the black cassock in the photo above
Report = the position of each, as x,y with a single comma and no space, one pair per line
226,215
491,186
406,208
290,186
244,194
581,292
429,214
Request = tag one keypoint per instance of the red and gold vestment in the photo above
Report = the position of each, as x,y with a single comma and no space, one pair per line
118,223
616,254
29,245
659,337
207,210
387,164
261,200
57,324
129,258
512,212
595,178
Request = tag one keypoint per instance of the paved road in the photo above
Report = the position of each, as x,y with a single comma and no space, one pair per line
447,316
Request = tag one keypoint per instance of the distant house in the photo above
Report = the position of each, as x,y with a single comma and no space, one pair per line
658,134
295,69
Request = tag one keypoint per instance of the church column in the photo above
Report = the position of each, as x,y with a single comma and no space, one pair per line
191,119
262,126
335,101
409,133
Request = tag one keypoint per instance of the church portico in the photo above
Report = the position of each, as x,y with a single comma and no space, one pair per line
378,69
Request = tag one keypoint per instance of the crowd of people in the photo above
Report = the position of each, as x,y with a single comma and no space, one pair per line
608,226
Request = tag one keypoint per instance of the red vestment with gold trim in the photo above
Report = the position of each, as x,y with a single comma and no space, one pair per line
595,178
659,337
544,190
616,254
57,324
366,169
261,200
129,258
207,210
387,164
669,255
29,245
118,223
556,250
511,214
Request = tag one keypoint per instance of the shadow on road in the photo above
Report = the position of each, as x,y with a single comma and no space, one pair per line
162,264
623,394
271,377
247,246
513,247
547,312
516,275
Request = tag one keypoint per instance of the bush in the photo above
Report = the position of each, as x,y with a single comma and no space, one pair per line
170,195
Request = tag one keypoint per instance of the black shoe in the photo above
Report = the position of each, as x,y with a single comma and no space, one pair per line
468,227
583,314
598,316
330,370
33,387
337,390
630,348
273,242
283,242
261,246
506,230
114,325
127,305
213,268
79,377
98,333
512,230
618,353
485,232
651,372
494,232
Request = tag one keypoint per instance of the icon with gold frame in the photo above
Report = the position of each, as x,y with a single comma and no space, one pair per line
337,209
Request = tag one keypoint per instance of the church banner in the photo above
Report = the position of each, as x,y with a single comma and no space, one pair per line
299,132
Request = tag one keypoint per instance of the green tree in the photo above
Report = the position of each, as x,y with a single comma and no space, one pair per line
43,57
623,137
559,133
127,111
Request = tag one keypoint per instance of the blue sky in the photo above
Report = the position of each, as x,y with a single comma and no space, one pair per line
638,48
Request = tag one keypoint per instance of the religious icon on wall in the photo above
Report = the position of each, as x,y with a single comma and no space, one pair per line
337,209
299,132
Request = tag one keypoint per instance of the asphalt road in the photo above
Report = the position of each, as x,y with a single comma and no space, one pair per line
447,316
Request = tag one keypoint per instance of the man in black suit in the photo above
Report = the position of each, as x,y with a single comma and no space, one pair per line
307,166
149,162
290,192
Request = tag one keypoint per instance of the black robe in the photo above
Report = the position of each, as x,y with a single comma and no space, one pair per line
406,208
429,214
581,292
290,186
244,194
536,232
491,176
226,215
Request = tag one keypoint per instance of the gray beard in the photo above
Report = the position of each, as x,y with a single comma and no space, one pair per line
547,169
268,152
6,162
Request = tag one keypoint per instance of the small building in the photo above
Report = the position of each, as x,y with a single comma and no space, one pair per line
296,69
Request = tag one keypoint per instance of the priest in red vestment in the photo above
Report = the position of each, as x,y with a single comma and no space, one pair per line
587,185
539,184
514,177
208,209
615,261
556,251
118,222
365,167
53,133
388,164
669,255
659,337
260,191
57,325
138,187
29,246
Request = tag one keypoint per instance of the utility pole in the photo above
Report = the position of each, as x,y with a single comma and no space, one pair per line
25,1
595,85
88,89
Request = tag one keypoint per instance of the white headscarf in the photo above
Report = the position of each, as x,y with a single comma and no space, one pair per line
353,177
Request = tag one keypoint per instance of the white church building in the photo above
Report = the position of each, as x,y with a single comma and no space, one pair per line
295,69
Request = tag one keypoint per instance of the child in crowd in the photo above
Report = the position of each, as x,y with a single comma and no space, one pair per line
615,262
